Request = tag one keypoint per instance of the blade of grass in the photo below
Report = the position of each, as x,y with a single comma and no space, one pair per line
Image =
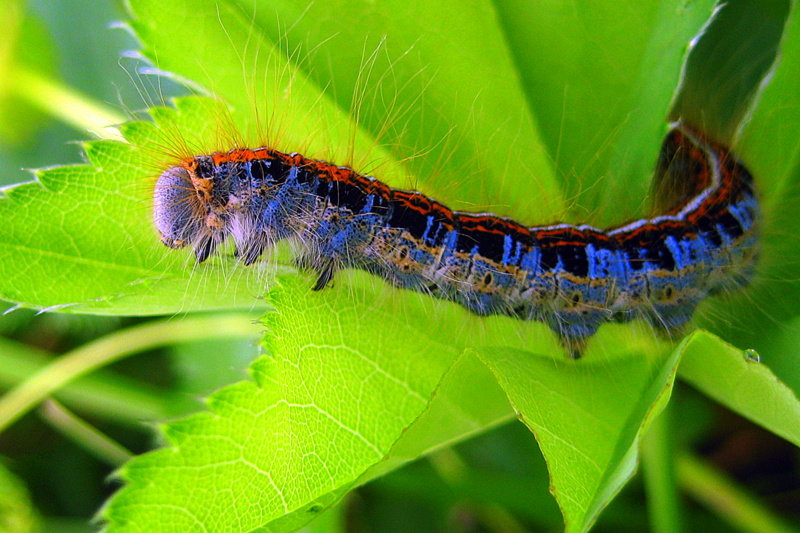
720,494
113,347
84,434
67,104
103,394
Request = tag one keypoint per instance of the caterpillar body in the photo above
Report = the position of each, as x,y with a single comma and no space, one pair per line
574,278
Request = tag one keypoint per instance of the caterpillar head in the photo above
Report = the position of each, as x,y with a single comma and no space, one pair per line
190,207
176,208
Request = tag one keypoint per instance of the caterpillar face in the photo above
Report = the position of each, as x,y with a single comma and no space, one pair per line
194,204
177,209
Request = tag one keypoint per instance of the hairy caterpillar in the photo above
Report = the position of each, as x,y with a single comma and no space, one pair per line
571,277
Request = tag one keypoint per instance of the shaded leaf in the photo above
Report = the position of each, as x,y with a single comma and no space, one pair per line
735,379
588,419
770,145
600,77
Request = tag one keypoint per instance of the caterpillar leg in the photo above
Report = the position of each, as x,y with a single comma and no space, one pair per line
574,333
249,252
252,237
670,322
325,275
205,247
574,346
325,269
576,324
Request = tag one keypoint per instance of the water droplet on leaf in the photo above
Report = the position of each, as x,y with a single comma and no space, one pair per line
752,356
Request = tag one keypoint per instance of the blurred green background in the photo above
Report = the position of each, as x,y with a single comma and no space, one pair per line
495,482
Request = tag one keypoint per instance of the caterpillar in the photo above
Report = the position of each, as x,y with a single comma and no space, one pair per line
573,278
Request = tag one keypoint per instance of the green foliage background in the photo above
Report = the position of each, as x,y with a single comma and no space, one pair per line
538,111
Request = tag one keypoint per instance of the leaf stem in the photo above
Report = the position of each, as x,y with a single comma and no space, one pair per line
113,347
66,104
84,434
720,494
663,504
103,394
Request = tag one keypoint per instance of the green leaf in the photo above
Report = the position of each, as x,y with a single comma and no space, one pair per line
349,392
601,76
329,405
770,145
770,138
17,514
724,70
588,419
437,84
454,411
735,379
781,354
